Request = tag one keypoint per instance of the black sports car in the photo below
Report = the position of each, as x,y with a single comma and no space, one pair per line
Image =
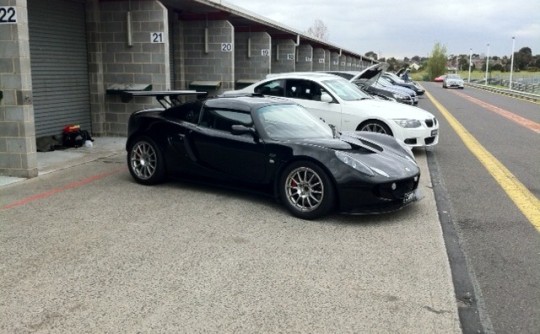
273,145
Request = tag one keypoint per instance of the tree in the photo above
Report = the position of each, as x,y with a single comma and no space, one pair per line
523,58
318,30
463,62
393,64
437,61
371,54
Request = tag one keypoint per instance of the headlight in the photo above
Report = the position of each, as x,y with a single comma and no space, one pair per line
399,96
408,123
354,163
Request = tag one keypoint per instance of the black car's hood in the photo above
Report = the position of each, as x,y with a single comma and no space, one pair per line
384,156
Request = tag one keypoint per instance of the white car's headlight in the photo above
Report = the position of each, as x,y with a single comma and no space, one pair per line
408,123
399,96
354,163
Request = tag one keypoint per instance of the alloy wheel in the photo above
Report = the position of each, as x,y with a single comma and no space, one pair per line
143,160
304,189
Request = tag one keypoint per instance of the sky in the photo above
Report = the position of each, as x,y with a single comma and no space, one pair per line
397,28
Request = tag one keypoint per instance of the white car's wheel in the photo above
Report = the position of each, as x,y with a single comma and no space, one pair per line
375,126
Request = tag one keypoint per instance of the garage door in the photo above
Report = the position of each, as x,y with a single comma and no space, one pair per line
59,65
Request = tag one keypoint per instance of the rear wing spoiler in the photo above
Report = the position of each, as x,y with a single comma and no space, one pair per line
167,98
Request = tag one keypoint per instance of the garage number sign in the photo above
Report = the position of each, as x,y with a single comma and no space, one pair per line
8,15
157,37
226,47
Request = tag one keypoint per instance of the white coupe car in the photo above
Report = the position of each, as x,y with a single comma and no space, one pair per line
452,81
341,104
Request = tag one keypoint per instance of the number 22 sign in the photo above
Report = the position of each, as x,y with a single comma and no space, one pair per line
8,15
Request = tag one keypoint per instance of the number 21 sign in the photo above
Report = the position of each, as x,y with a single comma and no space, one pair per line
157,37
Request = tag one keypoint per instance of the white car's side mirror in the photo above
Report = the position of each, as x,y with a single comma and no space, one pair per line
325,97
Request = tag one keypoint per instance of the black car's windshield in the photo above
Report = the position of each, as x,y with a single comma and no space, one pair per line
290,121
345,90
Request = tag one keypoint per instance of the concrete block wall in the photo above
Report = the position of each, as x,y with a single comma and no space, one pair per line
319,59
143,62
216,63
177,43
304,61
17,132
334,63
252,55
365,63
342,62
283,56
348,63
328,60
95,68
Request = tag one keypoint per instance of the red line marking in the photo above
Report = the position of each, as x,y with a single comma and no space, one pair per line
53,191
527,123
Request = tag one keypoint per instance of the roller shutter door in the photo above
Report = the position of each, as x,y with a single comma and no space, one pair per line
59,63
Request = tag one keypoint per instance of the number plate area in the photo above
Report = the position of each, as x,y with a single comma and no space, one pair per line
409,197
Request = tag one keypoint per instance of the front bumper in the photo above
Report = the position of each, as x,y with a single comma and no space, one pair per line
379,198
454,84
423,136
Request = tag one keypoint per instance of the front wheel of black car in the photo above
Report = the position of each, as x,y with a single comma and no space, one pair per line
306,190
145,161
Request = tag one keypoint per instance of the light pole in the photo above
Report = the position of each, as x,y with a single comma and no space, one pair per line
470,64
512,62
487,63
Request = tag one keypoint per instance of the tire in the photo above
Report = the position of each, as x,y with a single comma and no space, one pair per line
306,190
375,126
145,161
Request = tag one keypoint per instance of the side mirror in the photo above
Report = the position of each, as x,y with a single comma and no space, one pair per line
238,129
325,97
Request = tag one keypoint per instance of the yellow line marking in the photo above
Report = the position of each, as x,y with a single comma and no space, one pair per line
526,202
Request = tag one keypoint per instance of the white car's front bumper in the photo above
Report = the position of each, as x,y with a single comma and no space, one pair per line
425,135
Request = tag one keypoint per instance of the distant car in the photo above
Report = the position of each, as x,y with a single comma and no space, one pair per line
340,103
368,80
393,78
440,78
273,146
453,81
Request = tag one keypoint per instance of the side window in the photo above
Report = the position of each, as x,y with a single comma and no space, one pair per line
223,120
303,89
273,88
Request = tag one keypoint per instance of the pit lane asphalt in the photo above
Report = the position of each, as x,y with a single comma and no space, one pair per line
85,249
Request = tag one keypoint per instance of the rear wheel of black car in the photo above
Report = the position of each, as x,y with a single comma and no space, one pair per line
375,126
306,190
145,161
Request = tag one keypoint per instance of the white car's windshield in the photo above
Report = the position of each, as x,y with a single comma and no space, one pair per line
290,121
345,90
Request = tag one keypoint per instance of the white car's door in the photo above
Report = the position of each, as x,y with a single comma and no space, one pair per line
308,94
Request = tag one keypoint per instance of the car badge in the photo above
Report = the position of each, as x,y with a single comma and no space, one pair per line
407,169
